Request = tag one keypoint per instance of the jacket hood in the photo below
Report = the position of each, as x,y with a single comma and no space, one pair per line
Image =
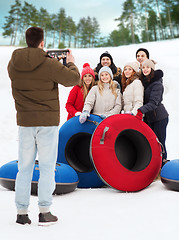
158,74
27,59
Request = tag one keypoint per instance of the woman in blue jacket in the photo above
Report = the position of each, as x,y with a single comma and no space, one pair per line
156,116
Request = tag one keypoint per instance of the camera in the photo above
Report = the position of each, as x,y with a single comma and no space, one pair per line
58,53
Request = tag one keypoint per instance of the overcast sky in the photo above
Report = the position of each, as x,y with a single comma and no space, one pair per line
105,11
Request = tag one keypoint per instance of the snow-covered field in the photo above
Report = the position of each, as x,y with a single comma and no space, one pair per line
98,214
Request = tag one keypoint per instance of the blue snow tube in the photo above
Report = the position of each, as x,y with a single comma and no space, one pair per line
74,149
65,177
170,175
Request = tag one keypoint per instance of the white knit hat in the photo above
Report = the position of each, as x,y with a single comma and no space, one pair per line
133,65
105,69
150,63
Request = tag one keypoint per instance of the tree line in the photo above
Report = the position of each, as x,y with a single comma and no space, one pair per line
146,20
140,21
57,27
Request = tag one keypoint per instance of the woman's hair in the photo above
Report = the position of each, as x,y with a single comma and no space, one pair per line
148,77
125,82
112,86
34,36
84,88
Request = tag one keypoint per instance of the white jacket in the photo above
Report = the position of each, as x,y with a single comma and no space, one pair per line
105,104
133,96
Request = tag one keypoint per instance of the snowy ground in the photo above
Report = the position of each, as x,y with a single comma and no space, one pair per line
105,213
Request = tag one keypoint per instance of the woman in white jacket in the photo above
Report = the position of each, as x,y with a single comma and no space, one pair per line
132,88
104,99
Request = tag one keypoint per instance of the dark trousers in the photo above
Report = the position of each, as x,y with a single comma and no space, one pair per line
159,129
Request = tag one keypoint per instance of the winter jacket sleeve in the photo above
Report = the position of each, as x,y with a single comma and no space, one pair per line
117,106
90,100
138,93
154,98
70,105
66,75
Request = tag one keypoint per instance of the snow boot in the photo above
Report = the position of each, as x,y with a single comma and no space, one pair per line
23,219
46,219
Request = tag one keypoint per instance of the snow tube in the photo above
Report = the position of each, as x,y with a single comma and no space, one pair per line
170,175
65,177
125,152
73,148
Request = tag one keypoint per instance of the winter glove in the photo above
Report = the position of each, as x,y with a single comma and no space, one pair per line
128,112
103,116
77,113
117,84
139,114
83,116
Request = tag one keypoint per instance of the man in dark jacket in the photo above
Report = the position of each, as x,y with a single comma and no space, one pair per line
34,80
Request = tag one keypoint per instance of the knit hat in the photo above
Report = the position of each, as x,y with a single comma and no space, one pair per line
105,69
106,54
87,70
150,63
143,50
133,65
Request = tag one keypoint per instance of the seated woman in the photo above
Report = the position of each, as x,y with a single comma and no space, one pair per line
104,99
79,92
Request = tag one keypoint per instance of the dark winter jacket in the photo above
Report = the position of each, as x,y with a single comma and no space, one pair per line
153,108
34,80
75,101
115,70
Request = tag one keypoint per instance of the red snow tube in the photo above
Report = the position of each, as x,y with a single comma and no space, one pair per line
125,152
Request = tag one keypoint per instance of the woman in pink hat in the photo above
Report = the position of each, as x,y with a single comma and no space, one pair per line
79,92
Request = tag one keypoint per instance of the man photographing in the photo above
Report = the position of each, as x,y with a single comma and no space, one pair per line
34,81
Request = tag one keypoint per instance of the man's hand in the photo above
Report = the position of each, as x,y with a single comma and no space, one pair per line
70,57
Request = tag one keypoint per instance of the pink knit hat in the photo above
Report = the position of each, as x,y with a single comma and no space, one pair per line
87,70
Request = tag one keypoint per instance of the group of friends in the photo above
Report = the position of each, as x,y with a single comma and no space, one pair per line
137,90
104,91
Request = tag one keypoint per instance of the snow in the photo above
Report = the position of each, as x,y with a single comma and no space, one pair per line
103,213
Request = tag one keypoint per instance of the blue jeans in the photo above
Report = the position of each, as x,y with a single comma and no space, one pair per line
33,140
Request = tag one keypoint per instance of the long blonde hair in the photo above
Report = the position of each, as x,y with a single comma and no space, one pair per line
112,86
84,88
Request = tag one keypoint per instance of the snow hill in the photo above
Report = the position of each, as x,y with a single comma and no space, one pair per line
98,214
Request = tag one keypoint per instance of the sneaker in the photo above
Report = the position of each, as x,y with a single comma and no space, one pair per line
23,219
46,219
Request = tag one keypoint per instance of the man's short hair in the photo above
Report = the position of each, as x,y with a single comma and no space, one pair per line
34,36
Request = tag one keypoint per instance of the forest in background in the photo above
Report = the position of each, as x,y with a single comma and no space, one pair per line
140,21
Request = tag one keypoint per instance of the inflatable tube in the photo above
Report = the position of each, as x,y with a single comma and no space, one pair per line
65,177
74,143
170,175
125,152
